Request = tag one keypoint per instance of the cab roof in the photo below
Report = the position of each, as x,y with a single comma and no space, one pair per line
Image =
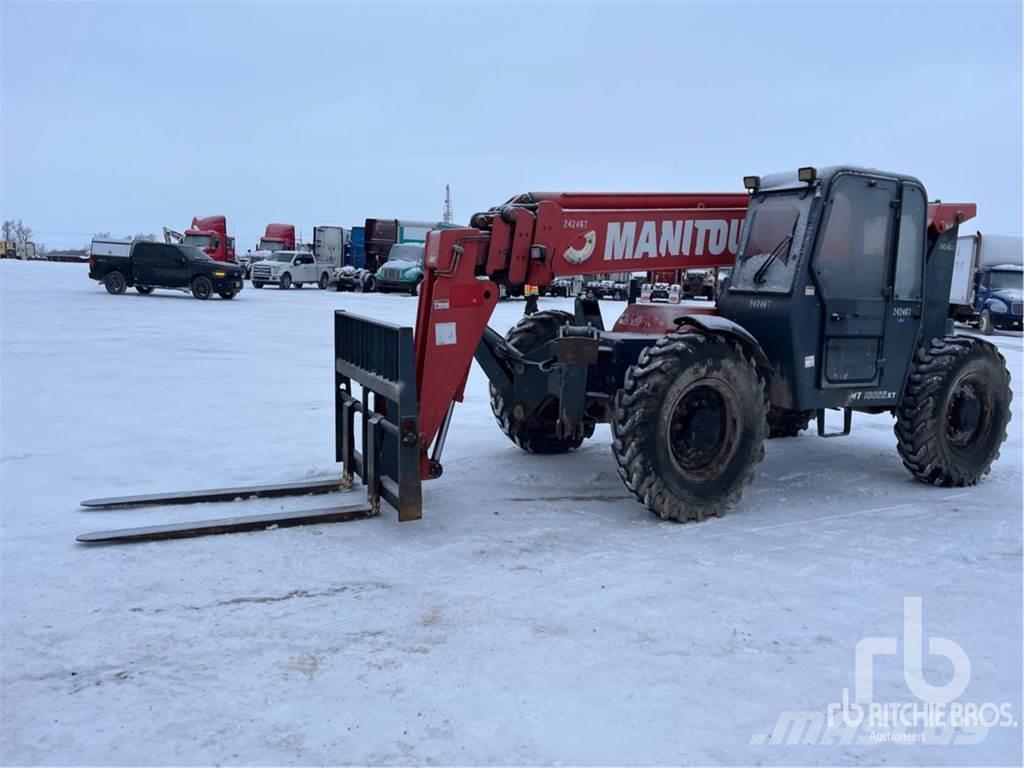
941,216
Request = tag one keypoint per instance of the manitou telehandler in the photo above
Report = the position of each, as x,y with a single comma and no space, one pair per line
838,299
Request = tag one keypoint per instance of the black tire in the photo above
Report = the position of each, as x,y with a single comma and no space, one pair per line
414,289
370,284
145,290
985,324
952,420
115,283
286,282
256,284
783,422
689,425
202,288
536,433
323,282
228,295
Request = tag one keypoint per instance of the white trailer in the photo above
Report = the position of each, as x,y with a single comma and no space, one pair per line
414,231
329,246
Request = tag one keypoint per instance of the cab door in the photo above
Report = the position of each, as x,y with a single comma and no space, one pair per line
903,324
144,258
174,268
851,267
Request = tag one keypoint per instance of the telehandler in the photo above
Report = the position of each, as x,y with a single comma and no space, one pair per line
838,299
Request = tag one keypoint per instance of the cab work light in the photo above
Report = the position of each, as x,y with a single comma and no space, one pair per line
807,174
751,183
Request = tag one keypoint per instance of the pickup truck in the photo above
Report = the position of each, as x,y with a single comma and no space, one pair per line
148,265
291,269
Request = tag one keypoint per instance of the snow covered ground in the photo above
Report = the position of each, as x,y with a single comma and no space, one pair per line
535,615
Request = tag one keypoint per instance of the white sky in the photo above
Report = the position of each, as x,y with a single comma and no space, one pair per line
129,117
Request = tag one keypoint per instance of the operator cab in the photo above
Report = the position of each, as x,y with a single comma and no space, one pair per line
830,280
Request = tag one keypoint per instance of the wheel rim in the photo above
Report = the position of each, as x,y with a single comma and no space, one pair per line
968,414
703,430
202,289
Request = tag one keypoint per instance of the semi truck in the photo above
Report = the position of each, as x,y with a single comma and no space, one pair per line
276,237
403,271
986,289
210,235
355,253
381,234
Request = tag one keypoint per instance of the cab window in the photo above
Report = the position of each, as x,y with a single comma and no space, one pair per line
853,254
771,243
910,247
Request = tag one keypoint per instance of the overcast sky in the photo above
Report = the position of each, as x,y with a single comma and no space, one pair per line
130,117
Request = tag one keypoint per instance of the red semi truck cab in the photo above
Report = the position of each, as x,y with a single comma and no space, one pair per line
210,234
278,237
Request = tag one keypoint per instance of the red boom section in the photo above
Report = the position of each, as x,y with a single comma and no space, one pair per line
942,216
535,238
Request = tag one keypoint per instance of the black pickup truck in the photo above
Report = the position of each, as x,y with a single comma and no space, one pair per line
161,265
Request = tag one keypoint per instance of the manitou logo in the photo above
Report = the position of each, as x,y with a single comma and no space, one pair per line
653,239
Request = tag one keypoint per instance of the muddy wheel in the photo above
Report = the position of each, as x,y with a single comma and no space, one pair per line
783,422
115,283
228,295
689,425
202,288
145,290
952,420
985,324
285,282
323,282
536,432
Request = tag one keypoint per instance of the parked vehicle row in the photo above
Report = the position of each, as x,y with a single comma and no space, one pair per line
386,255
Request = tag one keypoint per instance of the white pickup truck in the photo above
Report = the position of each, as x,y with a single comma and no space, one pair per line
291,269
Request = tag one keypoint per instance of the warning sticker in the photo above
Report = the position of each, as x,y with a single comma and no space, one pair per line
444,334
809,361
808,290
440,303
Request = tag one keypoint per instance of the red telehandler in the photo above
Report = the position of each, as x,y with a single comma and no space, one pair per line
838,299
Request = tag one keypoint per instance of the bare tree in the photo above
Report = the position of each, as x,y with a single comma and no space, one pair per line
140,236
22,233
8,229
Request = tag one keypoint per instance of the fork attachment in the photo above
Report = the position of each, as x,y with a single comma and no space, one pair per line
385,454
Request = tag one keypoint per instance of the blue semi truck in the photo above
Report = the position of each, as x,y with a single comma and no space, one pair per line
986,289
